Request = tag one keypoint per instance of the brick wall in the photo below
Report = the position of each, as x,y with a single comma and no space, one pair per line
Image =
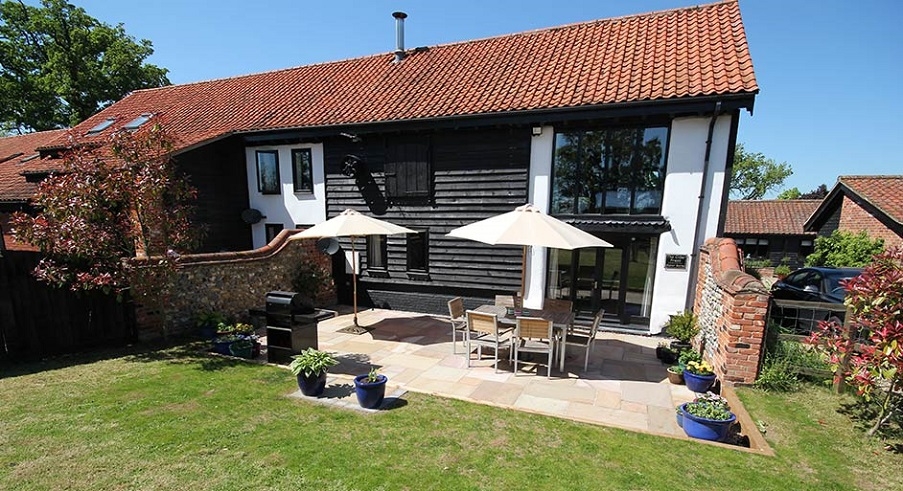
854,218
732,308
226,282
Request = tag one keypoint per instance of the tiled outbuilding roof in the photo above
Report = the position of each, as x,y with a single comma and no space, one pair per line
17,153
769,217
883,192
668,55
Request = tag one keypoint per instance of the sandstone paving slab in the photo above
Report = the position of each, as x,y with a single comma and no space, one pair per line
567,393
543,405
409,361
497,392
647,393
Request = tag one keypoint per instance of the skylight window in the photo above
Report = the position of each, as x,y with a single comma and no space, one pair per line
137,122
101,126
30,157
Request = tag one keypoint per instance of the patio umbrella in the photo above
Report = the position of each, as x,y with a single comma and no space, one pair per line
352,224
527,226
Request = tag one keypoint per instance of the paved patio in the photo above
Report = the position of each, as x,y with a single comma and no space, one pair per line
625,385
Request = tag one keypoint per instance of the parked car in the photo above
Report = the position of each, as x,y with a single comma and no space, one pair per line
815,284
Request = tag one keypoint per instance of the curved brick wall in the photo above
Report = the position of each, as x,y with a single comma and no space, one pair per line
229,282
732,307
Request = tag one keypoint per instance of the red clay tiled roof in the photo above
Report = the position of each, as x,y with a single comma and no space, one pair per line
769,217
681,53
13,151
884,192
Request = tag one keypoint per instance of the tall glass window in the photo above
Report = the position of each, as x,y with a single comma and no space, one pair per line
609,171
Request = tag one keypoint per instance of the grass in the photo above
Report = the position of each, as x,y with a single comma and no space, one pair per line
179,420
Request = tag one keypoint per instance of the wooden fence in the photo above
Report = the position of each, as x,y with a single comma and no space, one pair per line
37,320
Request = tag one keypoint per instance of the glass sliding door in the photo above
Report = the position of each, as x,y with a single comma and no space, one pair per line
618,279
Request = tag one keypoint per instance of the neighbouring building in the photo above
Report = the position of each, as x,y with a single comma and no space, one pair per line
623,127
772,230
873,204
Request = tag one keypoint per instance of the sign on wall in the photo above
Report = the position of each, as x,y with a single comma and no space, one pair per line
676,261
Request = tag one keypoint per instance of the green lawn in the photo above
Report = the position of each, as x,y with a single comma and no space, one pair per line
178,420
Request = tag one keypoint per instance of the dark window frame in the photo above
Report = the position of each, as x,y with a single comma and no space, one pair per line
382,254
260,183
579,190
408,170
298,178
424,249
271,230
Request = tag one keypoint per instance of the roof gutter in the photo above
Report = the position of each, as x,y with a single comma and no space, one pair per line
694,256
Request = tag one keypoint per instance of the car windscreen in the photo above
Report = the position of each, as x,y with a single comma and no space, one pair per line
833,282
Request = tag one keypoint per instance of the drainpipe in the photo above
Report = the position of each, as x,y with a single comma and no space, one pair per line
694,256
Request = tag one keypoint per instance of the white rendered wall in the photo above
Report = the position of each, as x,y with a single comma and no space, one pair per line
286,208
686,158
538,192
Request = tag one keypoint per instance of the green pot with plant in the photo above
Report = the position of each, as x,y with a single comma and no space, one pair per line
242,348
310,368
683,327
370,389
708,417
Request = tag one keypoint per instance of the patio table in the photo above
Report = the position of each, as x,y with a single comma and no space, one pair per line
560,321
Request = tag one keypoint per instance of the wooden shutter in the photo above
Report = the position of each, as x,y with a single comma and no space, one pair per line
408,172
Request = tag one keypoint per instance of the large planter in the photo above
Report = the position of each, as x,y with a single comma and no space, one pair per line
312,386
676,378
698,383
666,355
370,394
703,428
242,349
223,347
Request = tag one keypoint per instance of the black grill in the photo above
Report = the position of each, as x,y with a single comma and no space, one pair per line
291,325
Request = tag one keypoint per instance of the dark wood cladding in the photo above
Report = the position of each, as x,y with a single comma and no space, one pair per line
476,174
218,172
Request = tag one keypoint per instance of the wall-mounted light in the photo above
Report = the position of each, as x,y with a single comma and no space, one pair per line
537,130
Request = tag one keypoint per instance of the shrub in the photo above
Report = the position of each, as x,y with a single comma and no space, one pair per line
683,326
845,249
310,279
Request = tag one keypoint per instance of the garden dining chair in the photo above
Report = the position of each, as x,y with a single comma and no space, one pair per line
534,335
457,321
586,340
559,305
483,330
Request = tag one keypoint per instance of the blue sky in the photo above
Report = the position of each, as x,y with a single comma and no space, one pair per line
829,72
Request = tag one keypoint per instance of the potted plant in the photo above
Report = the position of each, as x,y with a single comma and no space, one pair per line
699,376
310,368
207,322
686,356
675,375
683,328
665,354
223,342
370,389
708,417
781,271
242,348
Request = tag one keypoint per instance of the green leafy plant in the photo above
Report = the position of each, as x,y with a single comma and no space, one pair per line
844,249
709,406
682,326
675,369
781,270
208,318
372,376
689,355
312,362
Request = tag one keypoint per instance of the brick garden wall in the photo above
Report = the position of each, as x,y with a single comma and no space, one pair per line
226,282
732,308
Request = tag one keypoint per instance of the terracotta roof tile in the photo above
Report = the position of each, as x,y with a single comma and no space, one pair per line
17,154
696,51
769,217
884,192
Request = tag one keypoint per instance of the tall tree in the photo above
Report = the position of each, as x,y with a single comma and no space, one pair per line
754,174
59,65
794,193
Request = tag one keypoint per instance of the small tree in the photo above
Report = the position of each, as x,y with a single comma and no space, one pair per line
110,202
754,175
875,368
844,249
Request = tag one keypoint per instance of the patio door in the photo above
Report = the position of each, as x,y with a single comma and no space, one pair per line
617,279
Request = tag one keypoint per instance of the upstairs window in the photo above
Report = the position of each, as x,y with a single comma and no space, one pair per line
615,171
377,252
407,171
418,252
268,172
302,170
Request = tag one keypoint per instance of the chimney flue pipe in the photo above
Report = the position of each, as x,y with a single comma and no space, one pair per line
399,35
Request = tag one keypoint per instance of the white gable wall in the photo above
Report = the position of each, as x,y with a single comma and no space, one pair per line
287,208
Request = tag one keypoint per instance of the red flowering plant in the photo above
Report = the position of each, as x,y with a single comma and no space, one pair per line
874,358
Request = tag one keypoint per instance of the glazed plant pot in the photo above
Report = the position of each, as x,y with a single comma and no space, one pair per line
312,386
698,383
703,428
676,378
370,395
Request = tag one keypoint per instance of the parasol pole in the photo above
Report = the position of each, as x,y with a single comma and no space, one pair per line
523,272
354,277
